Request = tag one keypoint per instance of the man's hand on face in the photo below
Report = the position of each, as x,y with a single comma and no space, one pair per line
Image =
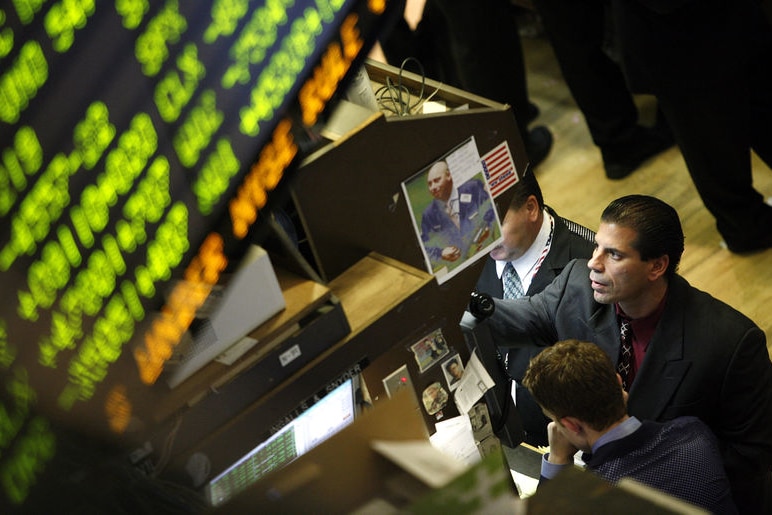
561,450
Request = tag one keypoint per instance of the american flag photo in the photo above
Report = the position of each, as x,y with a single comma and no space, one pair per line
499,169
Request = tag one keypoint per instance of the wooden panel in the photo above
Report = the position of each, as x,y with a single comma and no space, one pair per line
373,286
363,173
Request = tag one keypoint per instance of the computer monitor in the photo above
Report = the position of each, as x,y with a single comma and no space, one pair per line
323,419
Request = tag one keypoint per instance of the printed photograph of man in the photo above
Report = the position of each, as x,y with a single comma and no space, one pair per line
453,211
453,370
430,349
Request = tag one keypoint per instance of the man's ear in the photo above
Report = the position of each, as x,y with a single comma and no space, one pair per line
532,206
659,266
573,424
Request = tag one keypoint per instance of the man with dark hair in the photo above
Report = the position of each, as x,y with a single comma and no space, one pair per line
578,388
455,372
683,353
536,245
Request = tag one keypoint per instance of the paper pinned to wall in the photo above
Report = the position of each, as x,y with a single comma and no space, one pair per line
473,384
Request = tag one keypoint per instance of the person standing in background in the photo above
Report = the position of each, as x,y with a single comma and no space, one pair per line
581,37
709,64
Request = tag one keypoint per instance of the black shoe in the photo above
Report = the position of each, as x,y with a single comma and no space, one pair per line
538,144
751,246
531,113
757,234
629,155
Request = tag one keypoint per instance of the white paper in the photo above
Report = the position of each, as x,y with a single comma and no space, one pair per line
472,385
526,485
422,460
455,437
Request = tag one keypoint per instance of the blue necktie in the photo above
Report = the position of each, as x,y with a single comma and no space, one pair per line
513,288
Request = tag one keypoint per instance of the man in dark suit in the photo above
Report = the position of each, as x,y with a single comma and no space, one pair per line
538,243
691,353
709,63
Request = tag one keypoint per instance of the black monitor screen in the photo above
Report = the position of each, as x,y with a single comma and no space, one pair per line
139,144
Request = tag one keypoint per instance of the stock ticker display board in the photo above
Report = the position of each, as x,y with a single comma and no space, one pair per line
139,142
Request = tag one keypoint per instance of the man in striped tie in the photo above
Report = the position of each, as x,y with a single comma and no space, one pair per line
536,245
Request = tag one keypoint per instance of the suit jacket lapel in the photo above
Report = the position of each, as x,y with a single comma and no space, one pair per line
663,368
603,323
489,282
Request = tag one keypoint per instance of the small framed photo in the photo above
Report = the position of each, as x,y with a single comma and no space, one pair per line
453,213
430,350
453,369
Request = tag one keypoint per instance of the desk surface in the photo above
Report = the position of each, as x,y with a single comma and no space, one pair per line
524,459
374,285
525,465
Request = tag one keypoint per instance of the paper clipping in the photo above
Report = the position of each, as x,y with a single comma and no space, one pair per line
472,385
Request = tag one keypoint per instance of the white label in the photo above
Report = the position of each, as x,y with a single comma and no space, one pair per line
289,355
